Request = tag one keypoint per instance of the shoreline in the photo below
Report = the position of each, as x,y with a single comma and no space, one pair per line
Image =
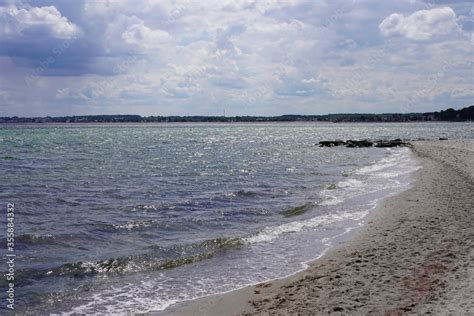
415,253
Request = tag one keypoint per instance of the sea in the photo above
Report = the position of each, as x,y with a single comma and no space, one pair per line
133,218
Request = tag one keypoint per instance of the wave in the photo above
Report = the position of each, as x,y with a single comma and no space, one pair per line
270,233
370,179
44,239
350,183
136,263
298,210
149,262
183,254
36,238
330,200
245,193
135,225
395,158
149,207
131,264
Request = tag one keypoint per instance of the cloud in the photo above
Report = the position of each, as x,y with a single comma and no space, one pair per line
15,22
43,41
421,25
311,80
253,57
142,36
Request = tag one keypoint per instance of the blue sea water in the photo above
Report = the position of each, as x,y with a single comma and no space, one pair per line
133,218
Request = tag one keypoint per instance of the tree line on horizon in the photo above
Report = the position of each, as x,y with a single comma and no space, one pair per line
465,114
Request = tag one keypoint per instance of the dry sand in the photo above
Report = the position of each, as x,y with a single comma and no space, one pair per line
415,255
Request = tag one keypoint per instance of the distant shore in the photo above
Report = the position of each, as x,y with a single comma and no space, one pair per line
461,115
415,254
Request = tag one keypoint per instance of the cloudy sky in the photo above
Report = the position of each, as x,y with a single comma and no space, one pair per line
249,57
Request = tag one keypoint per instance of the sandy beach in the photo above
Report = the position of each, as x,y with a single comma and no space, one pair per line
414,255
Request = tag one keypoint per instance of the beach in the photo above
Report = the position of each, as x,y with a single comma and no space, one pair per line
414,254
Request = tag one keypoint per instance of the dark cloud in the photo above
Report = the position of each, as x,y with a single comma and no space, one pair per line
49,56
46,54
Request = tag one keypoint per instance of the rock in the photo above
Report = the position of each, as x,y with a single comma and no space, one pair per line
443,138
328,143
390,143
365,143
359,143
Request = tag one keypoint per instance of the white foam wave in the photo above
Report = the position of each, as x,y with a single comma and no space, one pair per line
350,183
372,178
330,200
270,233
395,159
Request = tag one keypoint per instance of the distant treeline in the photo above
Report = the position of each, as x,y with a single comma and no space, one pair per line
465,114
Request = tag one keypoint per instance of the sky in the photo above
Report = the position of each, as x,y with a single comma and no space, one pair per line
241,57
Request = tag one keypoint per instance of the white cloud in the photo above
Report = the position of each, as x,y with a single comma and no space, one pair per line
141,35
311,80
16,22
421,25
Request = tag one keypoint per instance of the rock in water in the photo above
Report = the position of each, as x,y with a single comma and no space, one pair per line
390,143
364,143
329,143
359,143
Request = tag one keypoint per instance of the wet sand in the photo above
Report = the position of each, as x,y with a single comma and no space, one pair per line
414,255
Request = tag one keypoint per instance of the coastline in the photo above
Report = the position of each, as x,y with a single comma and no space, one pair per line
415,254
